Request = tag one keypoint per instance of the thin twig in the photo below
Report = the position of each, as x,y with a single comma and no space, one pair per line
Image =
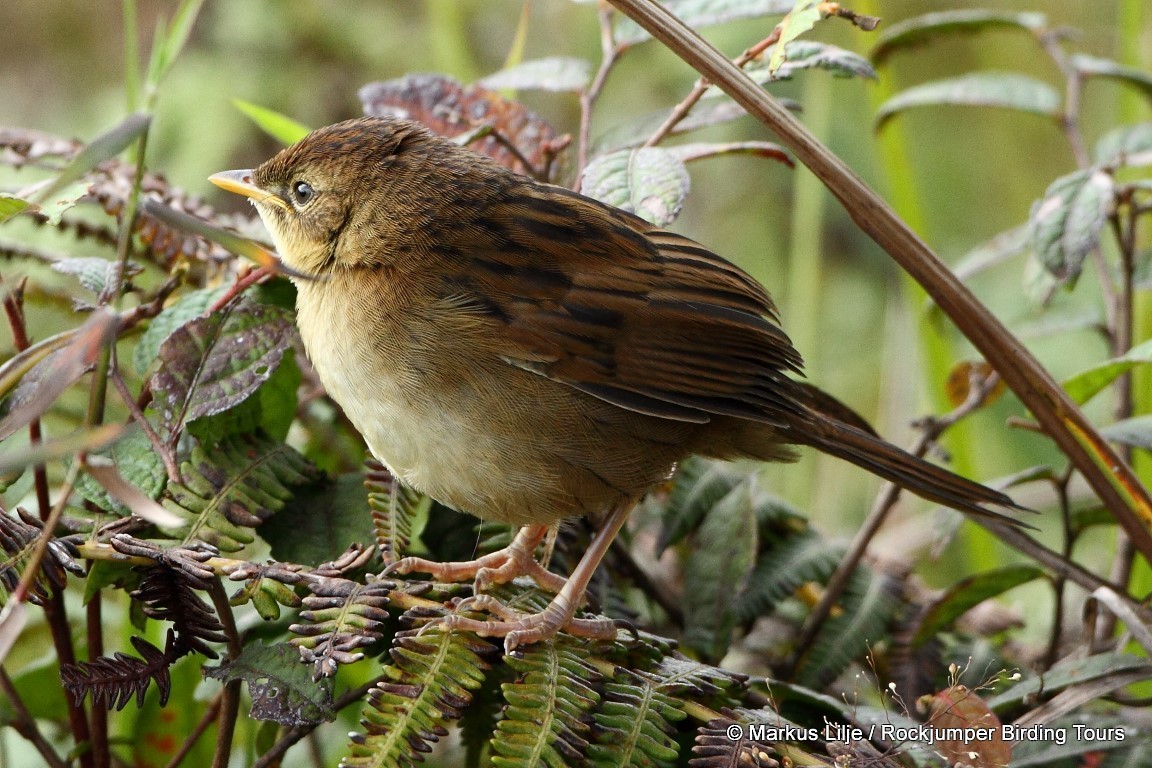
198,731
230,696
609,53
137,415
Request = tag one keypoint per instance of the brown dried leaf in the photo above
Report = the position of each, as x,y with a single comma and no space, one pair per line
961,378
451,108
960,709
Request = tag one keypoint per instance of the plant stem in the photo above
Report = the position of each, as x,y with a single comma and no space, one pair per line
25,724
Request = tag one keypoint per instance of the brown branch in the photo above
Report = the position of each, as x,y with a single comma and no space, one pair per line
25,725
1060,418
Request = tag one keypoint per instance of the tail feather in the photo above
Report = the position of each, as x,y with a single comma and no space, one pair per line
915,474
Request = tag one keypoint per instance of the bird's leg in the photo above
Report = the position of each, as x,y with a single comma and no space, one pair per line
523,630
499,567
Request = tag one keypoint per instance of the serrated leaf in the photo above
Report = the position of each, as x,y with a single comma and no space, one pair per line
650,182
1126,145
214,363
809,54
704,13
554,73
1136,432
190,306
1068,673
1065,224
968,593
1085,385
280,127
10,205
799,20
979,89
919,29
94,273
719,563
281,687
1092,66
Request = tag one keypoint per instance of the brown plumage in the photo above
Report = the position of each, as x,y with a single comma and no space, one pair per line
525,353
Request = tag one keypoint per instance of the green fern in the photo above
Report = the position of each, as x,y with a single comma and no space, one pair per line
233,486
865,610
787,564
393,506
635,723
544,723
431,679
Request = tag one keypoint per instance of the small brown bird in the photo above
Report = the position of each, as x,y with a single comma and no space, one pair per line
524,353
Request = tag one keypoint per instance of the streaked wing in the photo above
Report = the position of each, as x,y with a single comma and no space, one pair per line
640,317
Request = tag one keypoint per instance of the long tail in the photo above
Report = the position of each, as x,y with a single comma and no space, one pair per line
830,435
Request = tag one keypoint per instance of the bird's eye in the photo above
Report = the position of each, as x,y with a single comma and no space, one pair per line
302,192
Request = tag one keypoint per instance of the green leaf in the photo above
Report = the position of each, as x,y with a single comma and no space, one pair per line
280,127
1065,224
787,563
10,205
698,486
211,364
549,705
555,73
968,593
649,182
919,29
865,610
1068,673
54,207
137,462
1091,66
281,688
979,89
719,563
1085,385
1001,247
430,680
232,486
1136,432
704,13
799,20
94,273
107,145
320,521
271,409
394,507
188,307
809,54
167,44
635,723
1126,145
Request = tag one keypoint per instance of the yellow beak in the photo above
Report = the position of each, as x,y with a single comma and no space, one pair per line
241,183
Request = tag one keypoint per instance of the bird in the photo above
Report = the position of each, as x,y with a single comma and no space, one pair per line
527,354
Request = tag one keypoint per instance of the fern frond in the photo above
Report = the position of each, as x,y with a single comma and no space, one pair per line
781,569
393,506
17,541
431,679
634,724
343,616
233,487
715,747
867,606
544,723
114,680
168,595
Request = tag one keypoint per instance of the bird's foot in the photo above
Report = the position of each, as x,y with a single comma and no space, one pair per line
519,630
499,567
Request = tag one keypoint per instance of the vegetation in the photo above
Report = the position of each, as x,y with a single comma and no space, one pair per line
163,439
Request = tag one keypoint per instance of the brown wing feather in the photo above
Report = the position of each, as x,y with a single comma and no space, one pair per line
643,318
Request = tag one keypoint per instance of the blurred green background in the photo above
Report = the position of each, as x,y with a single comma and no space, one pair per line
960,176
